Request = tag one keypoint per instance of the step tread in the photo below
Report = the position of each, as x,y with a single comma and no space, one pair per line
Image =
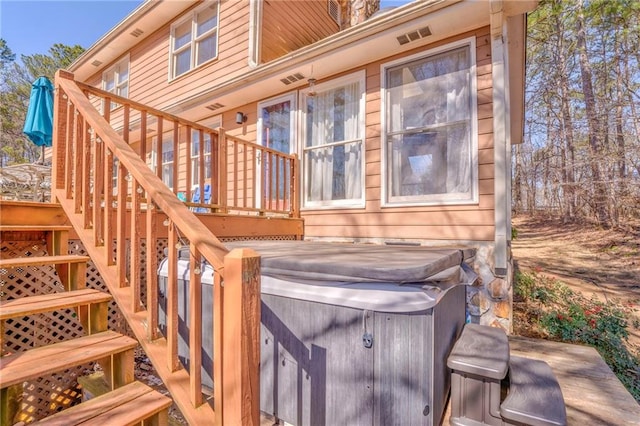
31,228
16,308
128,404
36,362
42,260
534,397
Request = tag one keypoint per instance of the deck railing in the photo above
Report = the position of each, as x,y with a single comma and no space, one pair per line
112,196
206,168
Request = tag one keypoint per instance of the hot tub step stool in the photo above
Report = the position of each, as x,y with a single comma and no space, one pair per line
488,387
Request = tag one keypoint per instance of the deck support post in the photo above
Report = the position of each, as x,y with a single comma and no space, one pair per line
240,339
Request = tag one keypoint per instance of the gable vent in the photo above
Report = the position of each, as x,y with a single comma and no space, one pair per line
215,106
333,7
96,63
292,78
137,32
414,35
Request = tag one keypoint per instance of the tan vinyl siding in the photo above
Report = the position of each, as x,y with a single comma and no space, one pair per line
435,222
290,25
149,61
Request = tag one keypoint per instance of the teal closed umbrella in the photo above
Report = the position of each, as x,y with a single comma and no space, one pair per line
38,125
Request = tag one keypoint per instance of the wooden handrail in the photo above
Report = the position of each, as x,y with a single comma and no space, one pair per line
86,147
207,243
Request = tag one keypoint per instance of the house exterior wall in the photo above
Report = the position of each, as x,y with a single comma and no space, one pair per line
290,25
470,222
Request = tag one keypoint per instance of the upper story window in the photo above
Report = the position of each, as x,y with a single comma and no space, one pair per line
194,39
431,127
333,144
116,79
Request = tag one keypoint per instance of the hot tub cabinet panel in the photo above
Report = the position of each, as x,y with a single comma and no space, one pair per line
316,368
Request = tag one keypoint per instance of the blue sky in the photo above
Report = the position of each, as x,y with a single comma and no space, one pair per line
30,26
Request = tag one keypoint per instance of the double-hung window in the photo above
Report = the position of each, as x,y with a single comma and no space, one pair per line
333,147
194,39
430,129
116,79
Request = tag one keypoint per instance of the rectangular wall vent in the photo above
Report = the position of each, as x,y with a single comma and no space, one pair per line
215,106
333,7
137,32
414,35
292,78
96,63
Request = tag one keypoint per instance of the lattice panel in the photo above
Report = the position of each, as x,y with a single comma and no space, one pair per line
94,280
260,238
54,392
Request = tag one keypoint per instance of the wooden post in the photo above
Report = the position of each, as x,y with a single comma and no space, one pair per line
60,125
240,338
223,178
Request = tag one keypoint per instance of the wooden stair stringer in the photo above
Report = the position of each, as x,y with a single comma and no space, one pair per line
176,382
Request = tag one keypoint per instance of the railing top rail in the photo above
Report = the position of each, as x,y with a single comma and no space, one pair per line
190,226
172,118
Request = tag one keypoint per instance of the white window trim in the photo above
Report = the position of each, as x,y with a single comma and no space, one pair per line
191,16
445,199
112,70
359,76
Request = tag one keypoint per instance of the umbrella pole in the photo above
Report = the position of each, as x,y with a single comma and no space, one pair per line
43,155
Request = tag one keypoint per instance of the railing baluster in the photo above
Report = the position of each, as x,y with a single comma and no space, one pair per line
159,171
109,233
152,277
201,161
60,141
223,177
98,188
77,164
195,326
71,126
235,174
135,248
143,140
171,293
126,113
87,211
176,152
245,200
121,219
215,167
277,189
188,167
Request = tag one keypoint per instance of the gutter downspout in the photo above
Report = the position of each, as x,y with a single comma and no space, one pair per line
501,138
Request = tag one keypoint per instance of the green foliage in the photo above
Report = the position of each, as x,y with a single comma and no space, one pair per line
514,232
15,89
570,317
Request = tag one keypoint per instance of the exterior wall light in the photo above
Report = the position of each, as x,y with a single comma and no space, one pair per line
240,117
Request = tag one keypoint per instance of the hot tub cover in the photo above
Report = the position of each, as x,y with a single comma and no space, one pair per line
323,261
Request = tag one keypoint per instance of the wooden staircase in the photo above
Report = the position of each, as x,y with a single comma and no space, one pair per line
129,402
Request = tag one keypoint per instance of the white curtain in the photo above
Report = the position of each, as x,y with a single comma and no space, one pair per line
321,161
353,150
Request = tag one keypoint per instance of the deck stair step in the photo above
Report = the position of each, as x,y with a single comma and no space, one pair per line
22,366
16,308
71,269
35,228
126,405
43,261
534,396
489,387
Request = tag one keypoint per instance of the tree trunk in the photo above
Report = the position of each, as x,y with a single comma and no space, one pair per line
595,135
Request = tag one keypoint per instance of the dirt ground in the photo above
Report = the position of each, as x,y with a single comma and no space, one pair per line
593,261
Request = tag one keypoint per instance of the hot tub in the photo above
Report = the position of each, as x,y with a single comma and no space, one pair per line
353,333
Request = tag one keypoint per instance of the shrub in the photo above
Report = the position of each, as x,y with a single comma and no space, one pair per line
568,316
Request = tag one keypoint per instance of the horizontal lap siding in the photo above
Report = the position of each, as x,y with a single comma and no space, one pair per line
443,222
149,61
290,25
